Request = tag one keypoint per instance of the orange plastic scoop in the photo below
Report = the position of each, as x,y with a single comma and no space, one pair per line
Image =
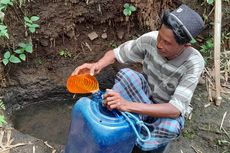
82,83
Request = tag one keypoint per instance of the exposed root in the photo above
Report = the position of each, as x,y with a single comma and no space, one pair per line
7,145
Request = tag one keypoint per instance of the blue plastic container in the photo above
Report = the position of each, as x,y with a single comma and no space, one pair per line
94,129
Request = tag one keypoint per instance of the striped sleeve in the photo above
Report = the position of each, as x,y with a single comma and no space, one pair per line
134,50
184,91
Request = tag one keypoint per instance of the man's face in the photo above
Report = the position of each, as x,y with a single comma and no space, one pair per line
166,44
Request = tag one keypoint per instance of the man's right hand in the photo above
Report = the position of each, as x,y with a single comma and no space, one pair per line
95,68
90,68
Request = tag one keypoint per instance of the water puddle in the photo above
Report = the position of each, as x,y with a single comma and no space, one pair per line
47,121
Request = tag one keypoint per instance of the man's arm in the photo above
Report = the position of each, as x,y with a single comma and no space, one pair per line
113,100
95,68
154,110
107,59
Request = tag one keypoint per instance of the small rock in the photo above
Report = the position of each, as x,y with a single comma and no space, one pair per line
93,35
70,34
44,42
120,34
104,36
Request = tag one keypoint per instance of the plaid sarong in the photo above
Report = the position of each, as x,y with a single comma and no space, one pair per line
134,87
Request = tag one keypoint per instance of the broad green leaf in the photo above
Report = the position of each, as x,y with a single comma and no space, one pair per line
27,19
32,30
19,51
132,8
6,55
5,2
34,26
2,120
62,52
193,41
3,27
3,33
2,8
127,12
22,57
28,24
210,1
5,61
23,45
14,59
34,18
29,48
126,5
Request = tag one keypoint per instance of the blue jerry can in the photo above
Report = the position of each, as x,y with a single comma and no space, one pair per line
94,129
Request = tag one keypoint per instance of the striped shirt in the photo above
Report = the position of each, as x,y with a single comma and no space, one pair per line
172,81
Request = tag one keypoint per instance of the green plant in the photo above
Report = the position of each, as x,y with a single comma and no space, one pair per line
128,9
193,41
3,31
29,23
223,142
113,44
188,134
65,53
2,117
24,48
20,54
207,49
210,1
4,4
8,57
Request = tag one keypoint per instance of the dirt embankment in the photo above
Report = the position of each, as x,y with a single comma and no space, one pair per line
81,30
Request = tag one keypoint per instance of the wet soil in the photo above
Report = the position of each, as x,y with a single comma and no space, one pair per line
47,121
40,81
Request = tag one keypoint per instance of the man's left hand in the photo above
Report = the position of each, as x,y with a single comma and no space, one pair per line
113,100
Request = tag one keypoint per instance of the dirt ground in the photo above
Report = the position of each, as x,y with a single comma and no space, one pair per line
65,26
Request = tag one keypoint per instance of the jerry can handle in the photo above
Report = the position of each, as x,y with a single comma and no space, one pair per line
98,96
128,116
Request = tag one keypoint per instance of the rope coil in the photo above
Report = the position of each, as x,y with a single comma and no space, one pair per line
128,116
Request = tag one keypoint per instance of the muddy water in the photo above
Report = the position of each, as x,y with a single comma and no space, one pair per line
47,121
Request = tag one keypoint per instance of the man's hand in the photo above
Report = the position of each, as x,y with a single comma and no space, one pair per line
113,100
90,68
95,68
